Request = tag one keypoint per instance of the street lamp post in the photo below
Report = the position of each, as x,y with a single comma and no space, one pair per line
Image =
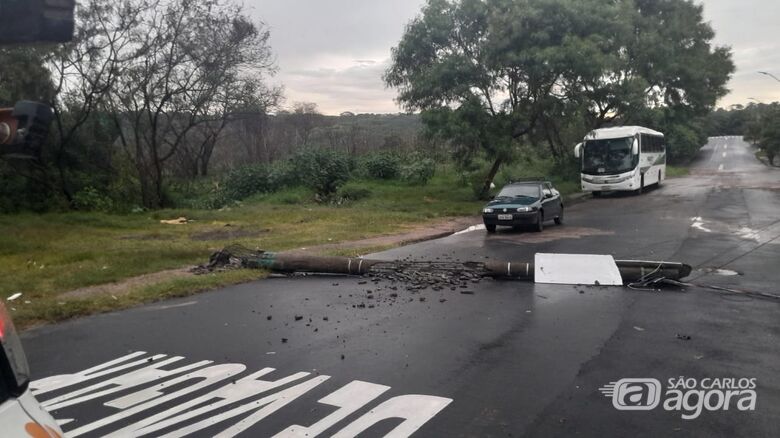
770,75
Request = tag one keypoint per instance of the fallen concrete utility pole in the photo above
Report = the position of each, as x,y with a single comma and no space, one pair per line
288,262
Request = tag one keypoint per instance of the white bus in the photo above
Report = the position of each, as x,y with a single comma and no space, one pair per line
628,158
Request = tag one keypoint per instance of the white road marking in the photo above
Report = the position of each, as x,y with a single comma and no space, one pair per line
148,398
698,223
720,168
348,399
415,409
725,146
724,155
122,382
52,383
171,306
471,228
233,404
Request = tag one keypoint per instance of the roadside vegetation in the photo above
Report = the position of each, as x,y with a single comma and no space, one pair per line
759,123
45,255
51,257
155,122
676,171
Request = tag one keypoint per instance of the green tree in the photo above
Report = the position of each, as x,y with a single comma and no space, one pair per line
487,74
482,72
769,136
23,75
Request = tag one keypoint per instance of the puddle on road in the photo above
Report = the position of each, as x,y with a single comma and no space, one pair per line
548,235
719,271
748,233
551,234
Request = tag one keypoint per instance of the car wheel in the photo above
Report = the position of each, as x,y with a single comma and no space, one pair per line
490,228
559,219
539,221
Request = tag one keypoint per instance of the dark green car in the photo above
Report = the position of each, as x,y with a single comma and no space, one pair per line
524,203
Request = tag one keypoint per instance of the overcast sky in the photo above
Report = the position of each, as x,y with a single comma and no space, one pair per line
333,52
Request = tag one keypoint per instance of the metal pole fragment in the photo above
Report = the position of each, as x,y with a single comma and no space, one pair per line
630,270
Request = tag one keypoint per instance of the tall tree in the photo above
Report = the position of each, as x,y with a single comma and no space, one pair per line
488,73
305,117
23,75
202,60
767,132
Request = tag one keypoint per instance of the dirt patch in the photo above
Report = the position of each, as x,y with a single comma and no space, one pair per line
147,236
126,285
438,229
228,234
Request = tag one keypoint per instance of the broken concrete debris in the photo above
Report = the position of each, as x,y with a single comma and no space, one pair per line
419,274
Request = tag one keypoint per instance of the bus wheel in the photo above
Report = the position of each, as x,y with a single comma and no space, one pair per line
659,178
596,194
641,185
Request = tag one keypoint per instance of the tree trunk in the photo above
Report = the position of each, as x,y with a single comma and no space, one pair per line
491,175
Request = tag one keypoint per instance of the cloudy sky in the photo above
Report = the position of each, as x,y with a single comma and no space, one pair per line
333,52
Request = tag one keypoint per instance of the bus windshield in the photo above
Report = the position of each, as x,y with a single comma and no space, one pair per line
608,156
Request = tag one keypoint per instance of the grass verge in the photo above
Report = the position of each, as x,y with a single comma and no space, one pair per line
43,256
676,171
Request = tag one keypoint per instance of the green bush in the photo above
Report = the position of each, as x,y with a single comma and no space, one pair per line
90,199
322,170
383,165
419,171
353,193
254,179
246,181
291,199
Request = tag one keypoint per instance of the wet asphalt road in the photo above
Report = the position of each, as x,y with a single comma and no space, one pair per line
511,359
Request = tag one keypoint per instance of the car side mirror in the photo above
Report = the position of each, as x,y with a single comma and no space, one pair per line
492,197
635,147
548,195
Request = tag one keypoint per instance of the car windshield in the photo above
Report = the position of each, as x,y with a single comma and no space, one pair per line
608,156
519,190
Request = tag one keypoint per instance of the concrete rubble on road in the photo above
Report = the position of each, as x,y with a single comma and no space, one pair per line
418,275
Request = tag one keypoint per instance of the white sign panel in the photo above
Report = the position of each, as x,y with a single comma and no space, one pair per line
576,269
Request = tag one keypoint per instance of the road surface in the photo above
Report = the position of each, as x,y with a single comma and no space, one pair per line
509,359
